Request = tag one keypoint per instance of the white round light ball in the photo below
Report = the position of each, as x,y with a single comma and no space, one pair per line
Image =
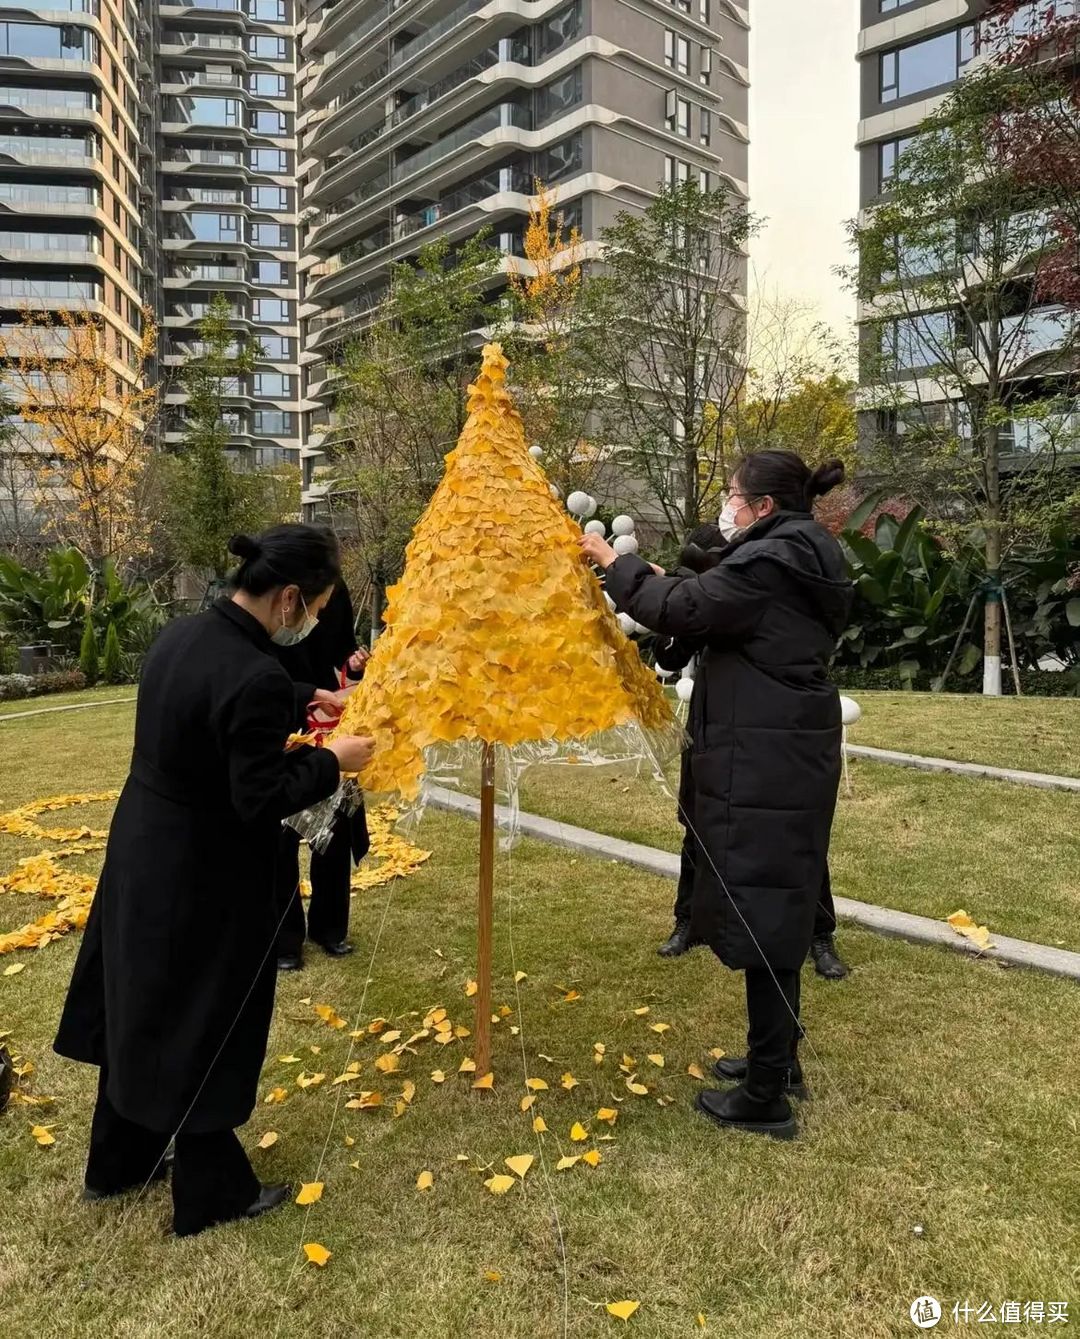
578,504
625,544
850,711
622,525
626,623
536,452
595,528
684,690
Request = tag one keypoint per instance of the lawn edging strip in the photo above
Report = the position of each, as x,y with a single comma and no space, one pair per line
882,920
1016,777
71,706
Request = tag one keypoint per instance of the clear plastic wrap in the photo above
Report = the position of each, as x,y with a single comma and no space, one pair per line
316,823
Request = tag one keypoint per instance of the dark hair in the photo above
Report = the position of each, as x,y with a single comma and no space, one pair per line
306,556
786,478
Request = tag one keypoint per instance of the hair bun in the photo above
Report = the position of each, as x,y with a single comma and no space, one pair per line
244,547
825,478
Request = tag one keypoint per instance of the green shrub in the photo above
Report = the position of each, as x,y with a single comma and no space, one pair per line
13,686
111,667
88,652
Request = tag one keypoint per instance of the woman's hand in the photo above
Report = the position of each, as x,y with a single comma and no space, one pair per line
353,752
658,570
334,701
596,549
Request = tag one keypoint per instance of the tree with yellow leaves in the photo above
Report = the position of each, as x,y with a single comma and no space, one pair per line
84,411
556,380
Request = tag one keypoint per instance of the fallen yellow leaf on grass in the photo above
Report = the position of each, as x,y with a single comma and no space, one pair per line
519,977
467,1066
657,1059
388,1038
355,1164
572,995
564,1164
695,1071
310,1192
492,1276
608,1114
425,1181
14,969
718,1053
520,1165
471,988
316,1254
365,1102
268,1140
592,1157
330,1016
568,1081
622,1310
539,1125
526,1102
500,1184
408,1090
638,1089
387,1064
306,1080
642,1011
487,1082
276,1095
701,1319
349,1141
437,1076
535,1085
660,1027
42,1135
578,1132
288,1059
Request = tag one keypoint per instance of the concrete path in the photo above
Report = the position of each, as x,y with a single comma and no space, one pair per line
1044,780
898,924
72,706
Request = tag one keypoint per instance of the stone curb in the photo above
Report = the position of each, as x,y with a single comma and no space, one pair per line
72,706
1043,780
882,920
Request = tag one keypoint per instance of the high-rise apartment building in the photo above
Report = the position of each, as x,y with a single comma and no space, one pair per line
434,118
285,152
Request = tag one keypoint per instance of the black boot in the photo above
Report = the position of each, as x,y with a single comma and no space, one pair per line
290,962
679,943
732,1068
827,962
757,1106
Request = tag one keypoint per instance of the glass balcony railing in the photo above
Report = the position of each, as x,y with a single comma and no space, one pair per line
24,240
44,148
503,114
212,157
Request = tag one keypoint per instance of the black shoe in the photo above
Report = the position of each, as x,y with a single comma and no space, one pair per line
732,1068
341,949
270,1197
827,962
290,962
757,1106
679,943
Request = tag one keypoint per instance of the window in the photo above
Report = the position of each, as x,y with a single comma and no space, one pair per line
676,172
268,160
67,42
268,272
676,52
889,152
556,31
269,197
269,234
18,95
273,310
559,160
703,181
268,422
706,64
30,286
268,11
267,85
268,123
212,227
684,5
209,111
268,48
704,125
919,342
933,63
36,192
703,11
678,116
275,348
271,383
558,96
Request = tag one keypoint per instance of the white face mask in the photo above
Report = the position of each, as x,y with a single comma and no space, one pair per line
727,524
286,636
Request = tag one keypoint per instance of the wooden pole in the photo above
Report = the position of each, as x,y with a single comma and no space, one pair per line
484,912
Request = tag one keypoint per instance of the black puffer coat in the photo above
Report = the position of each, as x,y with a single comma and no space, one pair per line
764,725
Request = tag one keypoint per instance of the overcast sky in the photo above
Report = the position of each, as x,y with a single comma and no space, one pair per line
804,113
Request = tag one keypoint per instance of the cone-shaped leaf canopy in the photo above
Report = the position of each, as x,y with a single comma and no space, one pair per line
497,631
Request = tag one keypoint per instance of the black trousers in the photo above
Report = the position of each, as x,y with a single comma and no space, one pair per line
328,909
212,1180
824,916
772,1011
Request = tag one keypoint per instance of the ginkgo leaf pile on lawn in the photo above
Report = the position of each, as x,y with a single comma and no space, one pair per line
497,630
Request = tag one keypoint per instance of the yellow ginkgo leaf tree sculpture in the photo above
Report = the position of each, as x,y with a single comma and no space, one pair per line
498,634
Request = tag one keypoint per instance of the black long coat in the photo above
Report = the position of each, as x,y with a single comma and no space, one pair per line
764,724
173,987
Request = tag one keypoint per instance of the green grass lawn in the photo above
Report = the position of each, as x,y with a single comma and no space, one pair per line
108,693
1038,734
940,1102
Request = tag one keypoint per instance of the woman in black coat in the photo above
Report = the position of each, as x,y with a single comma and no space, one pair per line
313,666
173,987
765,748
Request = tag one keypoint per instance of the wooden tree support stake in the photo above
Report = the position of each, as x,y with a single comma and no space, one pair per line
484,912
